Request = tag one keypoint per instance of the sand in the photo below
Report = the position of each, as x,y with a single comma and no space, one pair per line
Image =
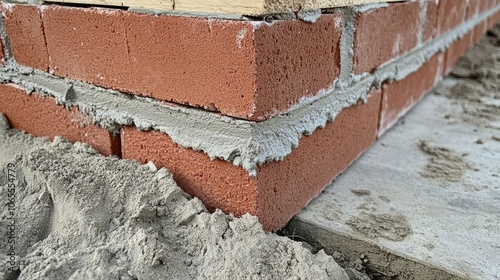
80,215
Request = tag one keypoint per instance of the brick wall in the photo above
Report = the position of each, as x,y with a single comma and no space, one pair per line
260,78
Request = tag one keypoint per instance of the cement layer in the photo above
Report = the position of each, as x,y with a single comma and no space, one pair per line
244,143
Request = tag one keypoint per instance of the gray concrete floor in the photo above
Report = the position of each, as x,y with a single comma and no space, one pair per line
424,201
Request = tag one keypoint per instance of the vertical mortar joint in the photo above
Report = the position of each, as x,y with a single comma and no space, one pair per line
347,46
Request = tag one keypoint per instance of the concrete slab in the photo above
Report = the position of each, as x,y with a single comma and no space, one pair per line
424,201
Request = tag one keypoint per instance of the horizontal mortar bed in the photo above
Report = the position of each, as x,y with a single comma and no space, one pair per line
279,188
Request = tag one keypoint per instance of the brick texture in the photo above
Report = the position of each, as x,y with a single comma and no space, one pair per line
286,187
248,70
450,14
219,184
294,60
399,97
456,50
472,9
385,33
431,28
281,188
494,19
25,31
480,30
41,116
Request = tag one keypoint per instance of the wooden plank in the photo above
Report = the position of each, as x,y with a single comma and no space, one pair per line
244,7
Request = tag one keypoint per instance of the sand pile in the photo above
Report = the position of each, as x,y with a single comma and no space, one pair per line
80,215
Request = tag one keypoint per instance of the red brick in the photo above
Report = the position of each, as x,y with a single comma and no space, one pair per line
400,96
286,187
430,29
480,30
451,13
385,33
456,50
281,188
472,9
493,19
216,64
25,31
485,5
295,59
41,116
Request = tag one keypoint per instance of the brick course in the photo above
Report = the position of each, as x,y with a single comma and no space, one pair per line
450,14
456,50
243,69
25,31
399,97
378,39
41,116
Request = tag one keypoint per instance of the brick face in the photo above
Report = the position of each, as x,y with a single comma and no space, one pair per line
480,30
472,8
219,184
385,33
25,31
431,28
41,116
450,14
281,188
456,50
295,59
400,96
286,187
249,70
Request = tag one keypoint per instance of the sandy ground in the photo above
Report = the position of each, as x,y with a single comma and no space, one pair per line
79,215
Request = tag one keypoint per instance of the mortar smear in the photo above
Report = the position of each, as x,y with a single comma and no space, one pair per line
445,165
388,226
84,216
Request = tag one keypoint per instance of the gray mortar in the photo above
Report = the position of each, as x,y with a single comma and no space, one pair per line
347,46
309,15
244,143
5,40
187,14
368,7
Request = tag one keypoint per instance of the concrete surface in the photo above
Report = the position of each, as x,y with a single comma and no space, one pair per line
424,201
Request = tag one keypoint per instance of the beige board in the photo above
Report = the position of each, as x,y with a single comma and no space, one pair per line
245,7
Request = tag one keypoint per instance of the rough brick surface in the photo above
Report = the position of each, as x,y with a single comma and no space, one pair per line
41,116
25,31
219,184
494,19
286,187
220,65
399,97
281,188
456,50
295,59
385,33
480,30
450,14
431,28
472,9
